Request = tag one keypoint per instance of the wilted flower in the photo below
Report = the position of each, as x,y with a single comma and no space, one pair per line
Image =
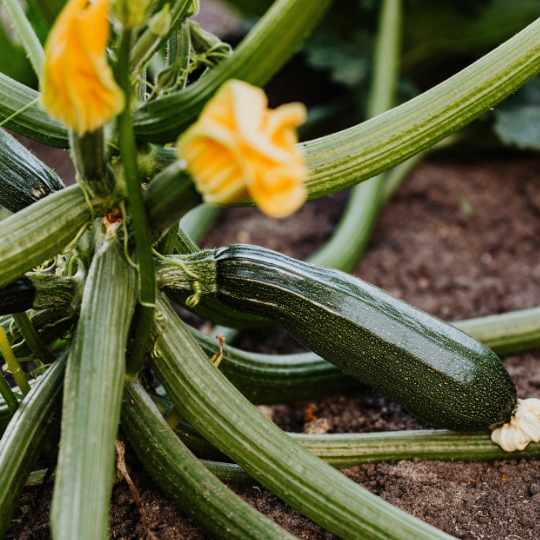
522,429
239,147
78,84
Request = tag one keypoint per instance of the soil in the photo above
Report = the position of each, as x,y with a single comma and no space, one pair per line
457,240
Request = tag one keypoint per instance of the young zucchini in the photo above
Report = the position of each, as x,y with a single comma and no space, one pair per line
17,296
432,369
24,179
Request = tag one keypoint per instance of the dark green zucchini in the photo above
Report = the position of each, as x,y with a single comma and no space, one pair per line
17,296
430,368
24,179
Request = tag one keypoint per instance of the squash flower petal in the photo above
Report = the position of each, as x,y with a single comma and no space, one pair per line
239,147
78,85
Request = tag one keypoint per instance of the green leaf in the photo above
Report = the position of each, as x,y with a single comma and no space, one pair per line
519,126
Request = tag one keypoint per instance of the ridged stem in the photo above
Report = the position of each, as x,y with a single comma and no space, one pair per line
346,158
223,416
33,235
141,228
260,55
25,436
178,472
20,104
92,397
90,161
352,233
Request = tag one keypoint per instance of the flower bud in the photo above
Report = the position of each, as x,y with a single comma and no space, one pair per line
160,23
131,13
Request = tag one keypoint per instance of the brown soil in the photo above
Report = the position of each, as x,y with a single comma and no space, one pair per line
458,241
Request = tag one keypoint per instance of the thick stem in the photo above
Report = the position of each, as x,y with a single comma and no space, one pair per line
92,397
260,55
352,233
91,162
223,416
141,227
42,230
184,479
25,436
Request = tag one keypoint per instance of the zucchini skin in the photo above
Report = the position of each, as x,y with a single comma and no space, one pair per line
430,368
17,296
24,179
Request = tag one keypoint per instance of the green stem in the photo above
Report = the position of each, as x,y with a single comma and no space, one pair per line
197,223
93,395
139,218
170,196
25,437
260,55
90,161
149,42
13,364
50,325
9,397
344,159
352,233
26,34
33,235
225,418
31,336
344,450
204,498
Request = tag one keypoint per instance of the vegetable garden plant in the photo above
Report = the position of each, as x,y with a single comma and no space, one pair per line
119,256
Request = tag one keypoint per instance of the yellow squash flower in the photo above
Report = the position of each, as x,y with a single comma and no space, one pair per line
78,84
239,147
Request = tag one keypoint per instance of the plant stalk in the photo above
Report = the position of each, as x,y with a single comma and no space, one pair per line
13,364
223,416
141,228
350,238
26,436
92,396
178,472
31,336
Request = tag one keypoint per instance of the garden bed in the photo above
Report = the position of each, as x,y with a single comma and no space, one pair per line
459,241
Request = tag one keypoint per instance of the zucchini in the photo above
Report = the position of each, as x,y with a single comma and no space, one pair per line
432,369
17,296
24,179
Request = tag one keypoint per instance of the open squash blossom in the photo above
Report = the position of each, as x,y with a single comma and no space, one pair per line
238,148
78,84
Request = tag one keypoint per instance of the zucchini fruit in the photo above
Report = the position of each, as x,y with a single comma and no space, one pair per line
24,179
432,369
17,296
